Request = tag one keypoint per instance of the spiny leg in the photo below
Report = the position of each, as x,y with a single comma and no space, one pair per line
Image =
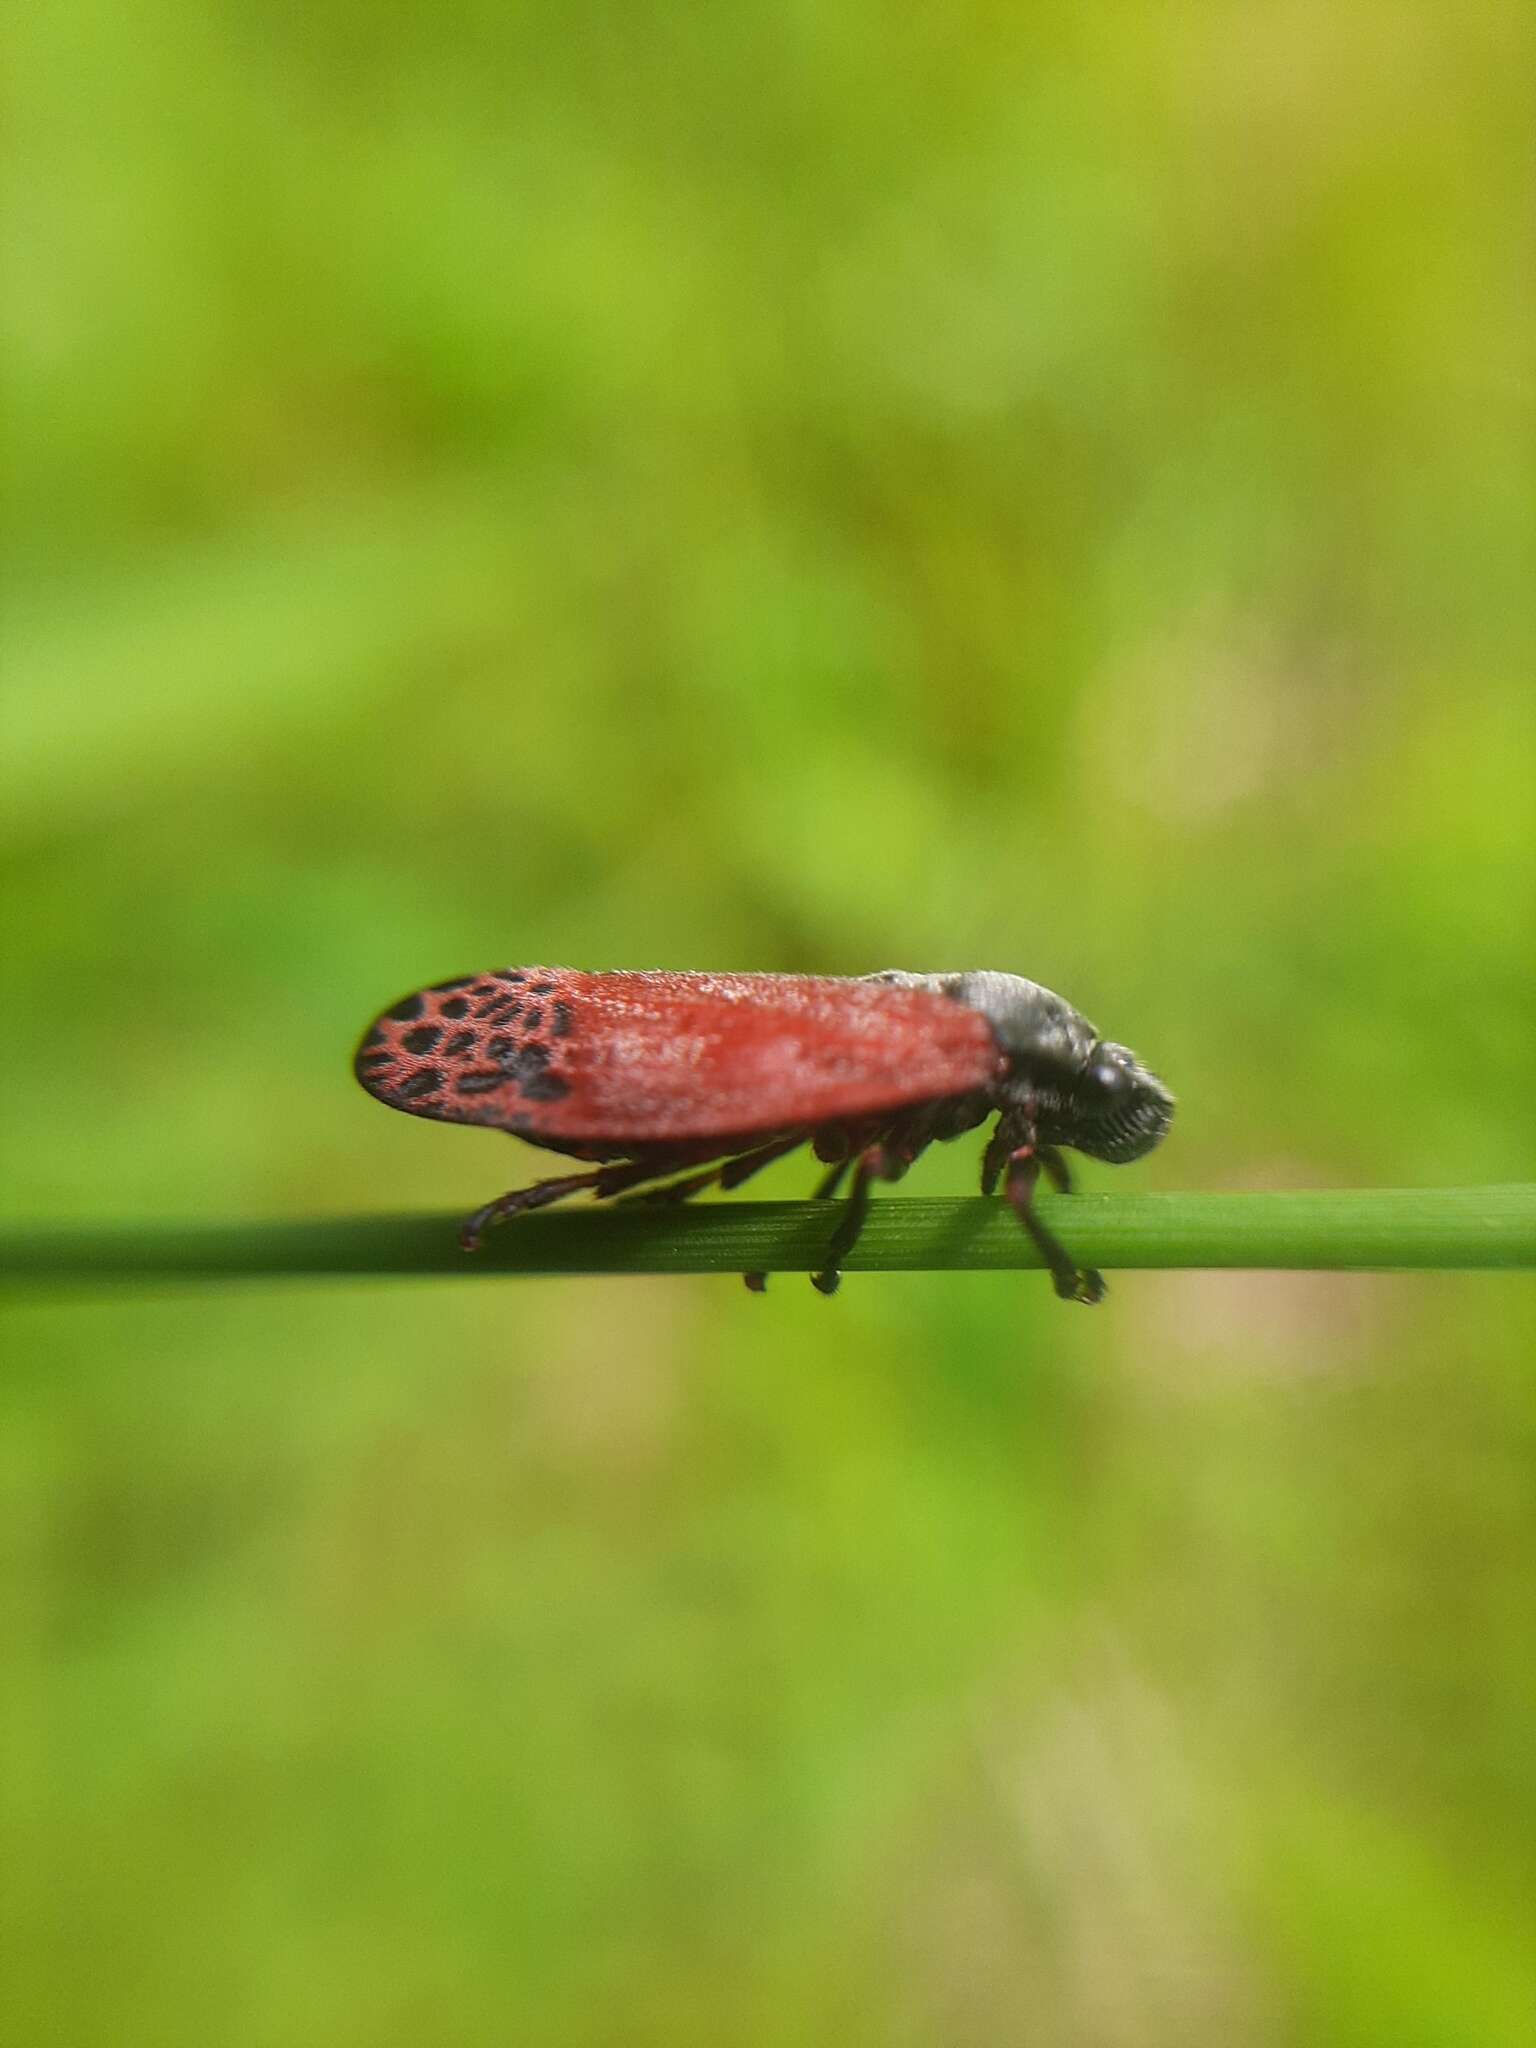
607,1180
1072,1282
673,1190
728,1173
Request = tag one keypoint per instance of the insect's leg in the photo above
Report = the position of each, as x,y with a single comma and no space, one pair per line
676,1190
729,1173
738,1170
607,1180
875,1162
539,1196
995,1158
1072,1283
824,1190
1056,1168
846,1235
745,1164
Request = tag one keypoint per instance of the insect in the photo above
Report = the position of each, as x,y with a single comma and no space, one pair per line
672,1083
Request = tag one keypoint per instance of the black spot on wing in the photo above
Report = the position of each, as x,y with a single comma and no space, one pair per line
408,1008
544,1088
529,1068
456,1006
480,1081
561,1020
460,1043
423,1038
425,1081
533,1016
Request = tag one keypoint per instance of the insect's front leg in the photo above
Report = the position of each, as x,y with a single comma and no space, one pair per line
1072,1282
995,1158
1056,1168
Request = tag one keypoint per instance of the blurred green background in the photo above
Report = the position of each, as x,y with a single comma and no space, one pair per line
767,486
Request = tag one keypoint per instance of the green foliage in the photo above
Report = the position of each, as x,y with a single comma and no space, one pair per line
766,487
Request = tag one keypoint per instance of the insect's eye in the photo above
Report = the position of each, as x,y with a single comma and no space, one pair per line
1107,1079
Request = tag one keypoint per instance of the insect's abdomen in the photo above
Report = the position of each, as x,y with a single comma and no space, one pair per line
598,1063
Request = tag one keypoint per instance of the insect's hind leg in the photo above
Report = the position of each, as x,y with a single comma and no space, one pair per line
607,1180
726,1173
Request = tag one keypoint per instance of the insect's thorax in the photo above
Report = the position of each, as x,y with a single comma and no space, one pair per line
1063,1084
1048,1043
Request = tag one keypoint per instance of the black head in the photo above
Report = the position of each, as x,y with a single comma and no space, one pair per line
1113,1109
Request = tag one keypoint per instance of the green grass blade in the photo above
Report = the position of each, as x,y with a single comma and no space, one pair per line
1382,1229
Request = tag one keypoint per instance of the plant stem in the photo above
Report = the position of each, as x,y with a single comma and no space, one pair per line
1381,1229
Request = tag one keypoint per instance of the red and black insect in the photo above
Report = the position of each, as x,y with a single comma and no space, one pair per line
712,1076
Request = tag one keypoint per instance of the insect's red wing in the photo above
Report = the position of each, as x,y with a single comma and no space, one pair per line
617,1059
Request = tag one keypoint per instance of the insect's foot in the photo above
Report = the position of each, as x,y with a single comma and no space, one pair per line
1086,1286
757,1283
472,1230
826,1283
